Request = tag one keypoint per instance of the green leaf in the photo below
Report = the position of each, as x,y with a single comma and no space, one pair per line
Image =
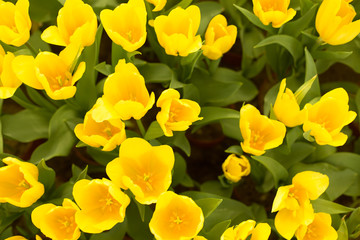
208,10
138,229
208,205
105,69
61,138
289,43
276,169
27,125
353,222
46,175
116,232
216,232
292,135
101,157
43,10
213,114
37,43
294,28
308,137
86,93
215,187
231,128
322,205
310,72
40,100
179,170
331,55
304,89
342,231
141,209
180,140
7,220
236,149
154,131
78,174
155,72
254,19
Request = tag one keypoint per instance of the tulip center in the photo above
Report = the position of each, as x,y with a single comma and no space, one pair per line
67,223
273,5
257,139
24,184
60,81
109,203
177,220
145,182
311,233
108,132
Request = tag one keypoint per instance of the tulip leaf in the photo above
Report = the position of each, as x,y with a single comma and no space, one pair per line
213,114
342,230
308,137
292,135
61,139
215,187
116,232
27,125
254,19
86,93
208,205
208,10
7,220
180,141
289,43
353,222
100,156
331,55
231,128
310,72
154,131
326,206
179,170
105,69
138,229
236,149
216,232
46,175
294,28
275,168
40,100
44,10
156,72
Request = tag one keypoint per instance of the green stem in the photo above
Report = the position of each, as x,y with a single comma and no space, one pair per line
141,127
32,50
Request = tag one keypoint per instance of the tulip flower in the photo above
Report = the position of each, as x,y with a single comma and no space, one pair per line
320,228
19,183
342,28
276,12
102,205
131,35
15,23
176,217
8,80
51,72
76,23
328,116
259,132
235,168
108,133
293,202
287,109
176,114
57,222
125,93
159,4
142,168
245,229
176,32
219,37
22,238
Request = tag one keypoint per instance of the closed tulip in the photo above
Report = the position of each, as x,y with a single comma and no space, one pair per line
245,229
235,168
159,4
76,23
9,81
342,28
219,37
15,23
176,32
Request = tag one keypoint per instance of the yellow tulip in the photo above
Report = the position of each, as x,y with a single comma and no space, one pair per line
219,37
57,222
15,23
159,4
51,72
19,183
142,168
176,114
328,116
293,202
287,109
245,229
102,205
22,238
131,35
176,217
176,32
199,238
320,228
125,93
108,133
276,12
8,80
342,28
76,23
235,168
259,132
